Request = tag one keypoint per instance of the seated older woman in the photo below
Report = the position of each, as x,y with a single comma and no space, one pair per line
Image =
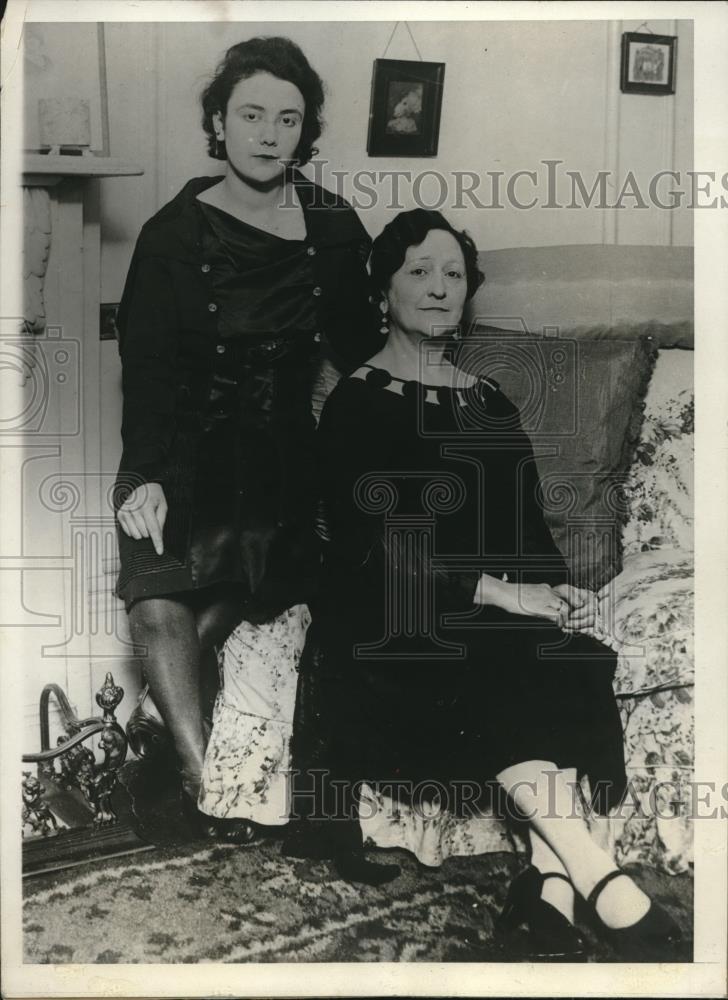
473,665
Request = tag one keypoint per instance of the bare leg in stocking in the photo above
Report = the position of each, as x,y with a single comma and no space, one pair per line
166,631
178,638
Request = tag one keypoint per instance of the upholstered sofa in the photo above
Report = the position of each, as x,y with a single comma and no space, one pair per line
599,339
625,314
586,294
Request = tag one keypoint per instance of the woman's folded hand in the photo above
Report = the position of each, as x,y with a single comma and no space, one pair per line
584,608
535,600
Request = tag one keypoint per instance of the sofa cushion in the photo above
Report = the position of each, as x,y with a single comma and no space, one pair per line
589,292
581,404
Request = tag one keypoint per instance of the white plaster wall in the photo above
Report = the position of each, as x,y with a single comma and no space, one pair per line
515,94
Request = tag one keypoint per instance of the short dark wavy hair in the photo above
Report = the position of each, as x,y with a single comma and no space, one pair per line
409,229
280,57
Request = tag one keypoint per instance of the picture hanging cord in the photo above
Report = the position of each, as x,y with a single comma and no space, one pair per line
409,31
646,26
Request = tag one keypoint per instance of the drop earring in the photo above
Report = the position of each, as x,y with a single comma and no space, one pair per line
219,137
384,328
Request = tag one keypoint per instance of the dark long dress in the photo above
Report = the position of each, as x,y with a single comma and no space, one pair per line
241,481
423,490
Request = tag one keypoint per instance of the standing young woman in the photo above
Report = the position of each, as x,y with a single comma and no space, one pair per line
234,287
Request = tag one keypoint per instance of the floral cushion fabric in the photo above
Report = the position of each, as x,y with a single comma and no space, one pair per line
245,772
648,610
659,487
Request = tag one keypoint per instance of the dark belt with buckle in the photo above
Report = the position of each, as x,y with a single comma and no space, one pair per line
265,352
242,361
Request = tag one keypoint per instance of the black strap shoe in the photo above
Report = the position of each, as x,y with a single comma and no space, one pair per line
552,938
654,938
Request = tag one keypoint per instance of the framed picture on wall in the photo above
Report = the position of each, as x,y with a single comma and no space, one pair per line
404,114
648,63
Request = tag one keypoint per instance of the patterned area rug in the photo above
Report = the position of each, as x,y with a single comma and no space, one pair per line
188,904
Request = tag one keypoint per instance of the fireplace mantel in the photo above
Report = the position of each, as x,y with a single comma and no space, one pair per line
41,173
40,170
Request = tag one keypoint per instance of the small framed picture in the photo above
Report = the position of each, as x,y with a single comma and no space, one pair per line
648,63
404,114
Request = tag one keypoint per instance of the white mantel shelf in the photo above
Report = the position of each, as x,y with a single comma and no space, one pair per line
40,169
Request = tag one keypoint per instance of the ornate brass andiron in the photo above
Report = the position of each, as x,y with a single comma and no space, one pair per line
78,770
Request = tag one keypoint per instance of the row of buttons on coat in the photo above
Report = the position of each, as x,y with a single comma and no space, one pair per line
212,306
205,268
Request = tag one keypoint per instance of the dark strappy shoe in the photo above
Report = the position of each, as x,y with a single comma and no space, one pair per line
654,938
552,938
243,832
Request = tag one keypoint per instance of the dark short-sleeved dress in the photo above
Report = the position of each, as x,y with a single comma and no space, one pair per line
240,479
405,679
